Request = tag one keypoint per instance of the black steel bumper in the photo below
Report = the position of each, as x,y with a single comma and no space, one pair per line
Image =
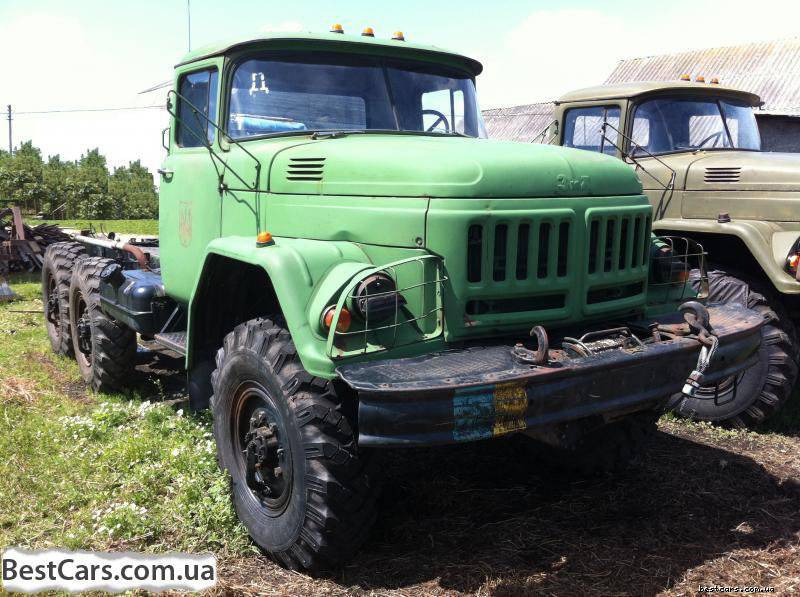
478,393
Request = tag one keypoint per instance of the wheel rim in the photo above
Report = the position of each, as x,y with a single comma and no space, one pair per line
722,392
83,332
52,307
261,447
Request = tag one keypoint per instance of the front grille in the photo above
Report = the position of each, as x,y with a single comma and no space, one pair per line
723,174
309,169
524,250
617,243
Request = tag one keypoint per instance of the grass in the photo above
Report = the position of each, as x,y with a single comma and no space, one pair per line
99,472
145,227
703,506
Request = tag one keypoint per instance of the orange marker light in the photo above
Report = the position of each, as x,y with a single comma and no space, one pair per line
344,319
368,32
337,28
398,35
715,81
700,79
686,78
264,239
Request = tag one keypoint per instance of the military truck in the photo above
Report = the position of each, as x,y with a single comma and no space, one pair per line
696,149
346,264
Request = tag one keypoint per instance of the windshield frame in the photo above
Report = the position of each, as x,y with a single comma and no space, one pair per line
385,61
701,97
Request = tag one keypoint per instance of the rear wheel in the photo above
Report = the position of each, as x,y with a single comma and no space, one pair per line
59,262
105,349
591,447
300,484
753,395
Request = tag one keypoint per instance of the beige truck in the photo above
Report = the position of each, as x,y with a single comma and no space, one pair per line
696,148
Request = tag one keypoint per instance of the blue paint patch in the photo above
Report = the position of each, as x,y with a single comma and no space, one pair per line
473,413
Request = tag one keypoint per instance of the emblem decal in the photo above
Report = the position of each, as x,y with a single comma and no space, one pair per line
185,222
572,186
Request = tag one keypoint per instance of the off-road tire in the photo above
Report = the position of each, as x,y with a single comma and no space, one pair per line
59,263
108,367
601,450
756,394
331,501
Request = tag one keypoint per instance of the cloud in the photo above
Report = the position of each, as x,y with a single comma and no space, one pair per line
554,51
287,26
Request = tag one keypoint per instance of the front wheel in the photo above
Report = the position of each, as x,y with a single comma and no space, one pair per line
751,396
300,485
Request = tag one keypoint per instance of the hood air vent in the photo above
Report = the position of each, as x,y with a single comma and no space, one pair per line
308,169
726,174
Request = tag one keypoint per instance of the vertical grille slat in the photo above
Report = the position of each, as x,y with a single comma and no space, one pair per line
608,249
523,238
544,250
563,249
500,252
474,252
637,239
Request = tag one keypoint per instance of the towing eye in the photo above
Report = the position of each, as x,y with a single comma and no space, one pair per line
696,316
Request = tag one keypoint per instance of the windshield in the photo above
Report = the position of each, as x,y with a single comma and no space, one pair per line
670,124
283,93
583,128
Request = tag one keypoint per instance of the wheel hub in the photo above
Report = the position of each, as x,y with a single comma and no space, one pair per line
52,307
265,460
85,334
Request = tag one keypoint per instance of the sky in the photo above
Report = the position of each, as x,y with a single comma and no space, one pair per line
93,54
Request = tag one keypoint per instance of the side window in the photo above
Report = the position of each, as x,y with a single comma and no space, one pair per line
583,128
198,91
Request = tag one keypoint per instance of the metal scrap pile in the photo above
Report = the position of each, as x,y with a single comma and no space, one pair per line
22,246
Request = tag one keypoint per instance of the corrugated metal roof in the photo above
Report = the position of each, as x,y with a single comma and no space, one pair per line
518,123
769,69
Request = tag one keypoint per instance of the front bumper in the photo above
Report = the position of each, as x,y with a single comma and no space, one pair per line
482,392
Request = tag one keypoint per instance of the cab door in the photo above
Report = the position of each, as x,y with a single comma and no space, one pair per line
189,197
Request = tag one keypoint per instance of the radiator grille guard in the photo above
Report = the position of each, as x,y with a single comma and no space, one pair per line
418,309
678,270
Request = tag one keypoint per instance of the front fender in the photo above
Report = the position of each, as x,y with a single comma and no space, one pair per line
296,268
768,243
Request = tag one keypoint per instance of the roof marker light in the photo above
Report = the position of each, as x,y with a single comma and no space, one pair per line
686,78
337,28
368,32
264,239
700,79
398,35
715,81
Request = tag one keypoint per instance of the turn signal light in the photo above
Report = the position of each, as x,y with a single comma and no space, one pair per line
344,319
368,32
398,35
337,28
792,262
264,239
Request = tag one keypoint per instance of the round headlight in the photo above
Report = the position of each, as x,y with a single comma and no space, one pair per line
376,298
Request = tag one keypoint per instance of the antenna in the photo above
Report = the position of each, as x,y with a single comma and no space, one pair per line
189,22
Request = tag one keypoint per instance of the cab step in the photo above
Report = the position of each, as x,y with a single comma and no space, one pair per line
175,341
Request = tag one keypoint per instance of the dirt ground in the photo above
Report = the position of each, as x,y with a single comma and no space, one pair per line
703,507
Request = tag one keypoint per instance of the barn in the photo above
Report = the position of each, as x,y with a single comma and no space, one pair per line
770,69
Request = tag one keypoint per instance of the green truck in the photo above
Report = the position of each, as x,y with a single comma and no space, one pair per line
697,150
346,264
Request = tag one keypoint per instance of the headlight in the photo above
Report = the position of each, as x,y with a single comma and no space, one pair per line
376,298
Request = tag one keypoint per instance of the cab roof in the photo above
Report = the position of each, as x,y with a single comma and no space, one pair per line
635,89
400,47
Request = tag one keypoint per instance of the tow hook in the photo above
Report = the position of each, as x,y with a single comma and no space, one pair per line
696,316
541,355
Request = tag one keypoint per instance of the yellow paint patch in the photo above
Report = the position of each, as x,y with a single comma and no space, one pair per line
510,404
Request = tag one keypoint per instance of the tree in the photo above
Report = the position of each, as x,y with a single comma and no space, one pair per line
21,177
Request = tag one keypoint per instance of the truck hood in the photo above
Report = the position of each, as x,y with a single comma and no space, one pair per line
745,171
399,165
744,184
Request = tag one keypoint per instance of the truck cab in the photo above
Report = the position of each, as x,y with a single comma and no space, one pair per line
696,148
